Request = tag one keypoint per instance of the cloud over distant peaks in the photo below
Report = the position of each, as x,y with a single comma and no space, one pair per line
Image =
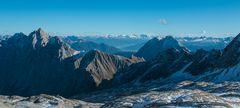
203,31
163,21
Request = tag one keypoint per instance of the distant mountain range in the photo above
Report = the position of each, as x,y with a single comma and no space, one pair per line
172,62
154,46
39,63
206,43
85,46
128,43
125,43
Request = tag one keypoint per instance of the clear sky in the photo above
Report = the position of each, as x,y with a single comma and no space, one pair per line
121,16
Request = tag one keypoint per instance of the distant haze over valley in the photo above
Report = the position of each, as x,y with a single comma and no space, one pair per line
133,43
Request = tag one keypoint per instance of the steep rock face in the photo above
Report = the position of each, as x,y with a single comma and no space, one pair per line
204,61
154,46
103,66
231,54
228,64
39,38
162,66
166,63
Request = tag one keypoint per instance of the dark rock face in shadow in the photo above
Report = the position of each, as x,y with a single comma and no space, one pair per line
38,63
231,53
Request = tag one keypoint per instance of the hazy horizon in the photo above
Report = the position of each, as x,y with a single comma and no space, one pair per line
150,35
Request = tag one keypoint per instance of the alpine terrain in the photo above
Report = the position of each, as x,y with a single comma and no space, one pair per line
39,70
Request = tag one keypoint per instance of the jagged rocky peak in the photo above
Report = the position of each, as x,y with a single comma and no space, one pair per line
103,66
37,62
154,46
39,38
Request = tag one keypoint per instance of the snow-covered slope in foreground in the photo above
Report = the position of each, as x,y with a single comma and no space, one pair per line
184,94
148,95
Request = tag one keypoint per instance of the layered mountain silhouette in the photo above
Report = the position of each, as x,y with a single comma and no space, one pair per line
176,63
85,46
134,42
228,64
39,63
166,62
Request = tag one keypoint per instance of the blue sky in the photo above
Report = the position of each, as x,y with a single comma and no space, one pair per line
121,16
